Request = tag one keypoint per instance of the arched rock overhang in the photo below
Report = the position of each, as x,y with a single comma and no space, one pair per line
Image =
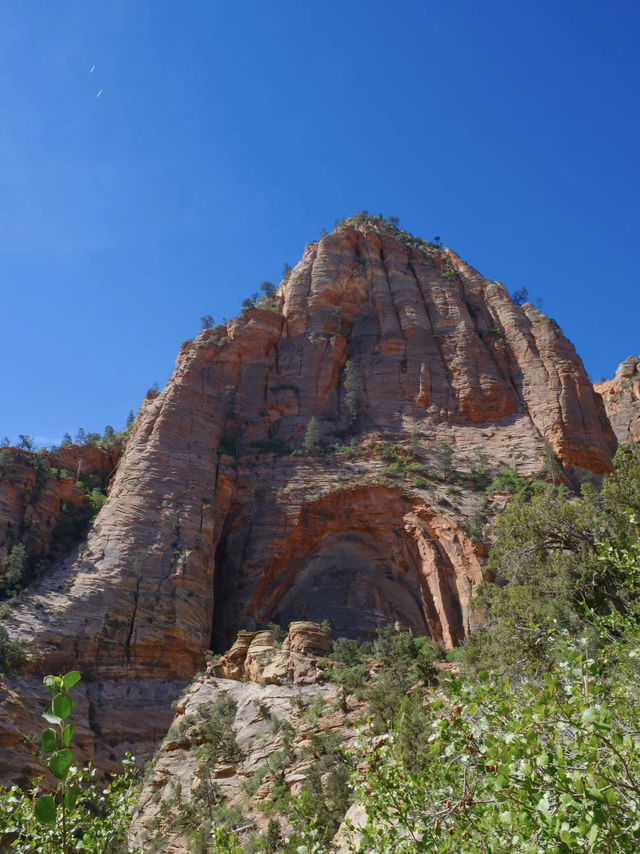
366,556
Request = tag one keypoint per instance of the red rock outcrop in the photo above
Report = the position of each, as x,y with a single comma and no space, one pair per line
212,524
36,485
256,656
621,397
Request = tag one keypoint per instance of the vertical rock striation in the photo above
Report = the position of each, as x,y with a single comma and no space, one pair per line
213,525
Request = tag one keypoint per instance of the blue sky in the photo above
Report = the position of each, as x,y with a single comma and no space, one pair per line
227,135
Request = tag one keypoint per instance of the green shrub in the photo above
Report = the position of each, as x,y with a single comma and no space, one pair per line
509,481
213,731
529,767
497,333
311,444
315,710
6,461
563,563
16,571
79,815
352,390
13,653
443,460
480,474
200,816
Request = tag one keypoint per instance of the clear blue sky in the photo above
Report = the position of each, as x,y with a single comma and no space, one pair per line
228,134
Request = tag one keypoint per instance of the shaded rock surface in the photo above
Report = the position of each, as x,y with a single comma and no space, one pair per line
621,397
396,348
36,487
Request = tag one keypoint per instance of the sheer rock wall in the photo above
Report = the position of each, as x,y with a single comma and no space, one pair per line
211,524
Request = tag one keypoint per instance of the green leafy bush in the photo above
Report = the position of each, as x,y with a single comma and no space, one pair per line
508,481
80,814
523,768
562,563
97,822
12,652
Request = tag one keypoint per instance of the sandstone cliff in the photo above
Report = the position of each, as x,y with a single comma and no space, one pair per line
43,505
621,397
296,466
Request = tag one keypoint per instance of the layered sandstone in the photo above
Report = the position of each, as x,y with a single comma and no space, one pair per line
621,397
217,520
282,707
37,486
256,657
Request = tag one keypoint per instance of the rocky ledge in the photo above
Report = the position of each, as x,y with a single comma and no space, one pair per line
267,708
621,397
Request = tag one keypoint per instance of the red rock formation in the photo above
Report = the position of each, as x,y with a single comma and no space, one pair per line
212,525
35,486
621,397
255,656
272,721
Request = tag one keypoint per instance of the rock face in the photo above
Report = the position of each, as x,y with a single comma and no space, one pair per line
621,397
281,711
376,353
38,487
255,657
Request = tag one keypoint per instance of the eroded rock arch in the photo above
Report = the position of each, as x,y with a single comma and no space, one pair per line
369,556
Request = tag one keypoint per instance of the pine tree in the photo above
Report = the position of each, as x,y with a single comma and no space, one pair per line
311,444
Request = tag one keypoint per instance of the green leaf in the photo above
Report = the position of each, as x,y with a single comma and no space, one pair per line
70,679
49,715
595,793
593,834
67,734
49,741
45,809
60,762
70,798
62,705
53,683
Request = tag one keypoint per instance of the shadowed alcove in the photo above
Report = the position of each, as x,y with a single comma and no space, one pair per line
347,580
363,558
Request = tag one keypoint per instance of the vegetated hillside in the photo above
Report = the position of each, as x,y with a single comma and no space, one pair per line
336,452
526,740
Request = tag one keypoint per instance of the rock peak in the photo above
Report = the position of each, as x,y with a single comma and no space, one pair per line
320,457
